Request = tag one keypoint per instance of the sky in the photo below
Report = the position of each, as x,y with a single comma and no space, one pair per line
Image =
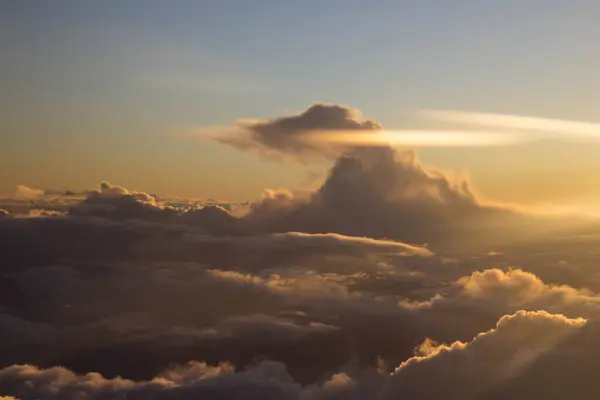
94,90
253,194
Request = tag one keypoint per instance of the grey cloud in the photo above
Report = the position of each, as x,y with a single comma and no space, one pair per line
472,370
315,243
280,137
313,297
165,283
507,291
475,369
156,288
264,328
382,193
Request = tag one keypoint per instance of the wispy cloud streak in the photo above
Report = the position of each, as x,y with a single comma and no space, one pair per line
551,127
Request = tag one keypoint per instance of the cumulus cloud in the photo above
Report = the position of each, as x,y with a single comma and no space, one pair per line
149,273
120,203
173,292
28,193
506,291
475,369
289,135
521,289
317,297
380,192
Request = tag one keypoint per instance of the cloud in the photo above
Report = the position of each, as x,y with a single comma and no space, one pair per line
4,213
326,130
381,192
213,218
37,212
274,138
323,296
264,328
521,289
149,273
258,289
171,292
27,193
323,243
475,369
461,370
551,128
507,291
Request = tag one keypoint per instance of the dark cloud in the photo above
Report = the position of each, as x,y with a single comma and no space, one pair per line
130,297
380,192
119,203
481,368
503,292
475,369
212,218
150,274
286,136
328,296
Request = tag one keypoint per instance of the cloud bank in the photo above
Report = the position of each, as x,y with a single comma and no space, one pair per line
391,280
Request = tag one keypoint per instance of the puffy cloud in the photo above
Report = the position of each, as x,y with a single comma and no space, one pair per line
267,380
380,192
475,369
500,292
28,193
277,137
173,293
119,203
375,191
149,274
309,297
212,218
521,289
113,191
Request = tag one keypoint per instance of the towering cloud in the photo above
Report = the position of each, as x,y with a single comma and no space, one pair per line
381,192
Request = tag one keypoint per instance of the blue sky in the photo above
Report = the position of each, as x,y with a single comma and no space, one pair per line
91,89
